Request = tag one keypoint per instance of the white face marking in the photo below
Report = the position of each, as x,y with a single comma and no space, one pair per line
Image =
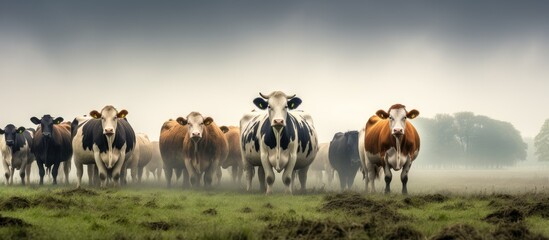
108,121
397,120
278,110
196,125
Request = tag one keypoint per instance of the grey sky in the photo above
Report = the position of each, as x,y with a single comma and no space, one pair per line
345,59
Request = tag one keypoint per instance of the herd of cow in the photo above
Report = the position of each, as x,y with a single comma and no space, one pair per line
280,139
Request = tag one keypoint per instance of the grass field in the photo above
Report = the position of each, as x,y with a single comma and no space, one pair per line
153,212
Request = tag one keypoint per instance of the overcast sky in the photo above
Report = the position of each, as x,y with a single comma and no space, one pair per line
345,59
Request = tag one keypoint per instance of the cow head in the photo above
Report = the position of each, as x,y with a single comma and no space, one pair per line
46,124
109,117
10,133
397,118
277,104
196,123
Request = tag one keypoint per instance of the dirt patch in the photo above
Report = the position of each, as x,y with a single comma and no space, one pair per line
458,232
78,192
357,205
308,229
246,210
421,200
505,215
9,222
403,232
539,208
210,211
151,204
50,202
160,225
13,203
515,231
268,205
122,221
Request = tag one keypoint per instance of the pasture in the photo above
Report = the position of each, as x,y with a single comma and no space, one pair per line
466,204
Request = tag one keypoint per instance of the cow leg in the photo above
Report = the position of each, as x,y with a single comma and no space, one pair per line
80,173
250,172
12,172
22,171
139,174
286,176
234,172
261,178
158,174
372,173
193,175
168,172
116,170
342,179
388,178
302,174
41,172
28,171
7,170
404,176
54,172
66,170
351,179
239,174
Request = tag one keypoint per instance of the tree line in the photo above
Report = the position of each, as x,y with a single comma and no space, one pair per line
463,140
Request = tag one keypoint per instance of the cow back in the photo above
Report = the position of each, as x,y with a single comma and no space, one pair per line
233,140
172,135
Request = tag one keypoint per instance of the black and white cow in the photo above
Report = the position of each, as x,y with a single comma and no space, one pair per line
106,140
16,148
52,146
344,157
278,138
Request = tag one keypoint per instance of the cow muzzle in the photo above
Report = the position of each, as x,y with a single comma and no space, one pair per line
108,131
9,143
46,134
195,136
278,124
398,132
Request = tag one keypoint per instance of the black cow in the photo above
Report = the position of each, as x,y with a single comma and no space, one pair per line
344,157
51,146
16,148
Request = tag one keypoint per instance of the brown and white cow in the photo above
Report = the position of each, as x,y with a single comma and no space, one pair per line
234,159
389,141
203,148
172,135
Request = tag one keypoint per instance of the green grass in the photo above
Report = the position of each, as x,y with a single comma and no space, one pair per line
158,213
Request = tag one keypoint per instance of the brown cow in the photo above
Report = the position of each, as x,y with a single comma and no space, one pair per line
172,135
234,159
389,141
203,148
156,165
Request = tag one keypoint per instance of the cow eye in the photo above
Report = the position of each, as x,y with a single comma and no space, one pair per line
404,118
285,107
390,118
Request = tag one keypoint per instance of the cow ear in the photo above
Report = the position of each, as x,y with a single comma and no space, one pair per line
122,114
2,131
35,120
260,103
224,129
21,130
95,114
58,120
182,121
382,114
208,121
294,103
412,114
